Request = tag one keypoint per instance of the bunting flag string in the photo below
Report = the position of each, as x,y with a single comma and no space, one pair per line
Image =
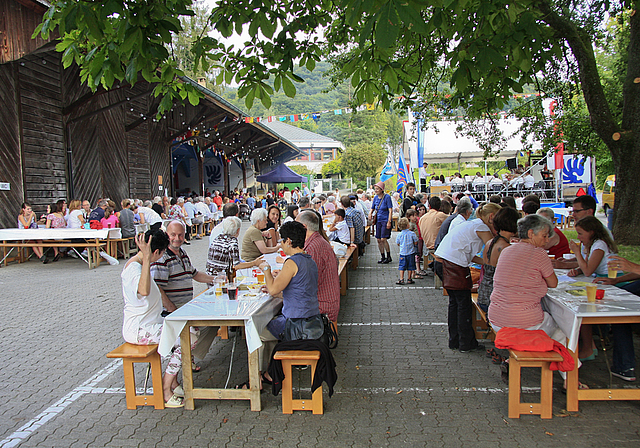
345,110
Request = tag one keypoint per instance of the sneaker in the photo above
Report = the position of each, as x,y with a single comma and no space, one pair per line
387,260
474,349
382,260
627,375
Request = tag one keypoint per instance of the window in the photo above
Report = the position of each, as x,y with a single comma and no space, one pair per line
317,155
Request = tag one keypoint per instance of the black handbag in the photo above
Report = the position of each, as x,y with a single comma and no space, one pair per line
316,327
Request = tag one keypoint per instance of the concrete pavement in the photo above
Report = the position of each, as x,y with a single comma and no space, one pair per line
399,384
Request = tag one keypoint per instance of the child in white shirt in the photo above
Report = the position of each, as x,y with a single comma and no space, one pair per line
339,231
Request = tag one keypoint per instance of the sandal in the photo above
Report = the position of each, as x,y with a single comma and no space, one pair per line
244,385
418,277
264,379
174,402
491,352
400,282
423,272
179,391
410,282
497,358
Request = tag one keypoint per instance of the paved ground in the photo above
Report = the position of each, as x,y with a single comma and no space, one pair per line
399,384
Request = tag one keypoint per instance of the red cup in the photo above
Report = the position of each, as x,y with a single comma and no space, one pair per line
599,294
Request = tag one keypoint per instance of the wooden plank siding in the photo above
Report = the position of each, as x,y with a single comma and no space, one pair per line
17,22
137,141
43,151
10,154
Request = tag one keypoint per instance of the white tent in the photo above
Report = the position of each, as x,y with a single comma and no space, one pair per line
441,145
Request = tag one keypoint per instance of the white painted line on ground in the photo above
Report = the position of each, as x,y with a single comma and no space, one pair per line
32,425
390,324
395,390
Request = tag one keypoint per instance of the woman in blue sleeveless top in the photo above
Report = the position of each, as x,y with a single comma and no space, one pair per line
298,285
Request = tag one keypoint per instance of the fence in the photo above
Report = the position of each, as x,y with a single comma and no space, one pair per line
330,185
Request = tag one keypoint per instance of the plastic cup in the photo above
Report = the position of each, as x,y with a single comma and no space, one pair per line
232,290
600,294
591,293
260,277
218,289
611,272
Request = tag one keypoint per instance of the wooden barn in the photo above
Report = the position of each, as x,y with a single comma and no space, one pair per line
60,140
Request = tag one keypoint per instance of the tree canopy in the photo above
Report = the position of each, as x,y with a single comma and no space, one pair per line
405,51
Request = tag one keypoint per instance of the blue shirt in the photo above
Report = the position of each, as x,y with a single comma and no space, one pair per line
382,206
473,202
407,240
190,209
251,202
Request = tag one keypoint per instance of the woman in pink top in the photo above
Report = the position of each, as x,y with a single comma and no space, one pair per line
523,274
110,220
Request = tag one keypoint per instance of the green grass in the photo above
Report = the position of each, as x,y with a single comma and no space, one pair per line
631,253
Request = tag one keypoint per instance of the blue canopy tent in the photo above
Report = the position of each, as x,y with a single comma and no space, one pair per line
281,175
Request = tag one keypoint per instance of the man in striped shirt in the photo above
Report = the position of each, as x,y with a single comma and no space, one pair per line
173,273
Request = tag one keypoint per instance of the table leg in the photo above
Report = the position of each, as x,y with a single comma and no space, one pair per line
254,381
572,385
187,373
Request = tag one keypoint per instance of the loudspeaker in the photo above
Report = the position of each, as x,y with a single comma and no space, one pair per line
512,164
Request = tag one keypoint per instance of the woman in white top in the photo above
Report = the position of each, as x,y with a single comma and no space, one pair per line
143,307
592,259
458,250
76,218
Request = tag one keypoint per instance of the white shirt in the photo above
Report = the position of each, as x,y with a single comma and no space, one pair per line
140,312
461,243
422,173
529,181
203,209
217,231
456,222
150,216
73,222
601,245
342,232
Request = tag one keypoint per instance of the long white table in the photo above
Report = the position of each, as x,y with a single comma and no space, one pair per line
14,237
208,310
571,310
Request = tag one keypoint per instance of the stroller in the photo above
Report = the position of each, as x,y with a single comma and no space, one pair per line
244,211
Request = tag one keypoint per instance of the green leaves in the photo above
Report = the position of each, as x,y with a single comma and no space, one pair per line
388,26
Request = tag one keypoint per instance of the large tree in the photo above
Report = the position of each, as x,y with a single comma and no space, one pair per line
485,49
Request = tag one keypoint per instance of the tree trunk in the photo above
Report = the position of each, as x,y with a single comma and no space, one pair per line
626,224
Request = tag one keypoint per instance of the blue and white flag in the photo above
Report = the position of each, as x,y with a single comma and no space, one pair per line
402,173
387,171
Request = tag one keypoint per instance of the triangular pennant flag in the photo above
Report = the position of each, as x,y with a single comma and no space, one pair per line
304,116
370,106
269,119
282,118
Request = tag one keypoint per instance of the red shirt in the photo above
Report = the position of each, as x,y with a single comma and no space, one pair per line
562,247
328,280
218,201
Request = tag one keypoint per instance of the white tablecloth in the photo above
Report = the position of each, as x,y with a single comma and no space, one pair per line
57,234
568,309
256,314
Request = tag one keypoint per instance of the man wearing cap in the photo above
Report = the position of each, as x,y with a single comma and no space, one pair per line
382,209
472,199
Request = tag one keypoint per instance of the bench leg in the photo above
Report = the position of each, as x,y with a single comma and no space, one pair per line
156,374
287,388
343,282
130,383
546,392
514,389
316,397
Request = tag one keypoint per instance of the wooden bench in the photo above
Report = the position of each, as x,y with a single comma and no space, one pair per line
93,248
519,359
299,358
367,234
125,243
342,268
479,321
130,354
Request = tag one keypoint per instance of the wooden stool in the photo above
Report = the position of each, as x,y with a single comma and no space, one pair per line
131,353
299,358
519,359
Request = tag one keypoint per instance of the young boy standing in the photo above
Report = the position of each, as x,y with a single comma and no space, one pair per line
413,218
408,241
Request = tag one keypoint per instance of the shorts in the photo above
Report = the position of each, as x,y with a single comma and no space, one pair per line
407,263
382,231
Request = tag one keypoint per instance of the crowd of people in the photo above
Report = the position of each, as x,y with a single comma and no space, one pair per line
505,252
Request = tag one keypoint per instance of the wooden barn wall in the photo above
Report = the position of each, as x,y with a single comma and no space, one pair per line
17,23
137,141
113,148
10,157
160,157
42,129
98,142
